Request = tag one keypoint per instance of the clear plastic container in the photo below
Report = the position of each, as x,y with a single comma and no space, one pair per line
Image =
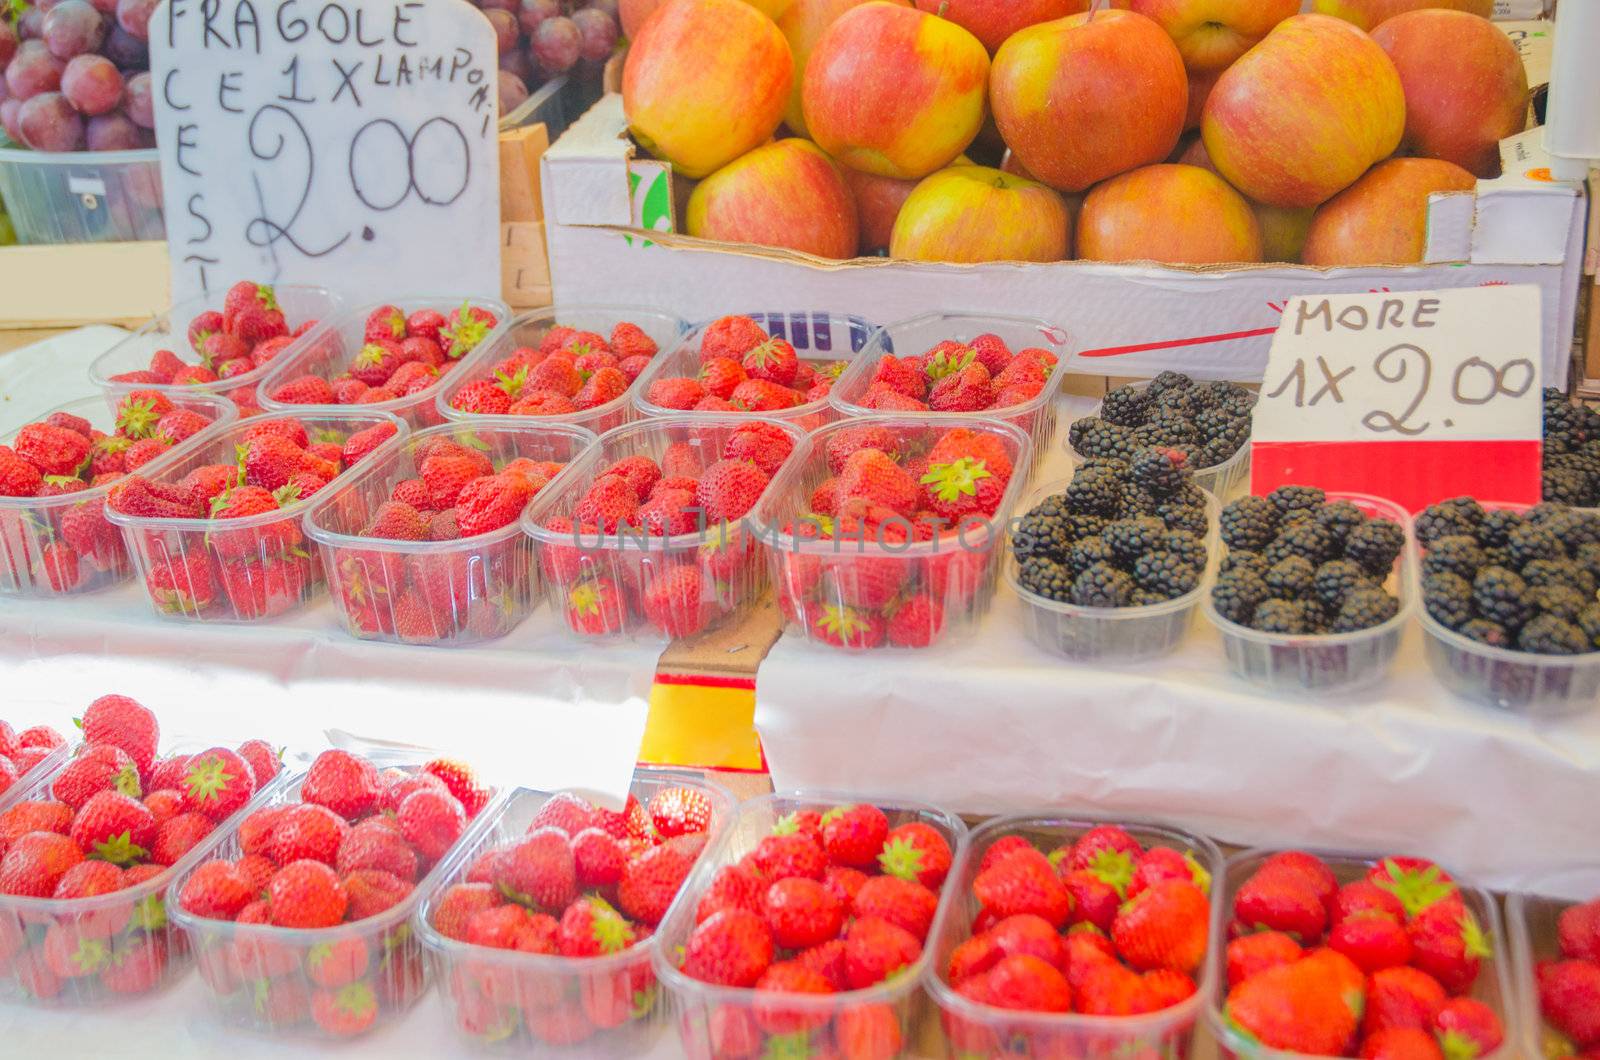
170,331
1222,480
128,936
250,569
816,336
1327,663
917,335
259,976
29,525
1109,634
1493,987
473,589
47,767
1540,686
601,584
509,999
702,1007
1531,920
328,349
824,586
973,1029
529,329
82,196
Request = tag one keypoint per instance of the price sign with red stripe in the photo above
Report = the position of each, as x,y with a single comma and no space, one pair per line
1416,396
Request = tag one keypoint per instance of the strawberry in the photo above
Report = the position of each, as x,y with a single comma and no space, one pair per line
72,954
180,425
385,322
87,879
652,880
447,474
873,476
257,869
1400,997
730,336
1577,929
268,349
1164,927
35,863
1448,943
991,351
845,627
265,761
398,521
603,387
916,622
729,489
901,902
361,443
1416,883
372,891
53,450
464,329
337,963
164,804
431,822
566,812
672,600
539,871
1250,955
1361,897
306,390
679,811
99,767
629,340
18,477
918,851
114,827
59,562
854,835
346,1011
598,858
457,905
720,376
1401,1043
376,848
487,504
784,855
1303,1007
216,890
675,393
345,783
166,364
161,500
1467,1028
875,950
1028,984
142,452
35,815
1024,883
790,978
1281,901
459,779
426,323
901,376
968,390
731,948
1371,940
216,783
250,311
1569,997
763,395
773,360
178,835
591,928
303,831
306,894
801,913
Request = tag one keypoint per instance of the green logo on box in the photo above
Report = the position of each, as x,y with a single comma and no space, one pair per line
655,210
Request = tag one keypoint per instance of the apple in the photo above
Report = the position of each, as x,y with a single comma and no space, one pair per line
773,9
1201,82
1087,97
895,91
633,14
878,202
1304,113
1181,215
1370,13
704,82
1283,231
992,21
970,214
1382,219
1211,34
1466,88
803,25
784,194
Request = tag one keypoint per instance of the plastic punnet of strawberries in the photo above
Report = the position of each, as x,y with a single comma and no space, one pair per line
743,369
401,355
582,883
1379,966
115,820
1569,987
71,547
350,848
616,558
832,902
953,376
456,494
571,370
21,751
260,570
248,332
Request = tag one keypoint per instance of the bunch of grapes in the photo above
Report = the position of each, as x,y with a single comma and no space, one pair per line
542,39
77,75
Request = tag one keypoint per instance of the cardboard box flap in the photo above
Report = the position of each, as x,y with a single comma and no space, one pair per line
586,171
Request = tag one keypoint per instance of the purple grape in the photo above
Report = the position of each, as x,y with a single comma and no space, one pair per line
512,92
126,50
556,43
73,27
34,70
134,16
49,123
608,6
30,24
532,12
137,101
517,61
45,6
92,84
9,110
113,132
506,31
599,33
8,42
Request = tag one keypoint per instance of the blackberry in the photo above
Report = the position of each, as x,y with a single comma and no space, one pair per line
1563,572
1108,440
1137,502
1587,556
1340,517
1282,616
1448,598
1145,597
1185,517
1087,553
1296,517
1585,530
1094,491
1081,526
1190,547
1131,538
1042,532
1126,406
1161,471
1291,577
1566,485
1500,595
1079,427
1456,553
1549,635
1249,523
1243,559
1335,579
1495,529
1167,382
1375,544
1288,498
1046,577
1485,632
1169,428
1165,574
1102,585
1236,593
1460,515
1589,623
1309,539
1563,601
1497,557
1214,424
1532,541
1364,608
1572,528
1213,453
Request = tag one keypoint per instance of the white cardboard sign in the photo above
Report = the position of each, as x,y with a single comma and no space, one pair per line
346,143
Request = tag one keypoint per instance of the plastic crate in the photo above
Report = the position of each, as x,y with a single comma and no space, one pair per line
328,349
510,999
582,569
474,588
815,335
917,335
983,1030
220,566
29,524
1531,920
1222,480
82,196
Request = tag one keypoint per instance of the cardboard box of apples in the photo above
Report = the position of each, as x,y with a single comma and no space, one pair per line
1159,176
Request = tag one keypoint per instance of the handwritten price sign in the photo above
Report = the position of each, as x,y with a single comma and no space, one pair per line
348,143
1415,396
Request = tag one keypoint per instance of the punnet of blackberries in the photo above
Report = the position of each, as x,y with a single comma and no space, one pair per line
1524,580
1124,533
1300,563
1206,421
1571,451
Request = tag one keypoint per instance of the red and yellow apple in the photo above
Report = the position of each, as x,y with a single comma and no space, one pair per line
1087,97
894,91
1283,231
1304,113
803,25
1466,88
1382,219
1370,13
992,21
1211,34
970,214
784,194
696,113
878,202
1181,215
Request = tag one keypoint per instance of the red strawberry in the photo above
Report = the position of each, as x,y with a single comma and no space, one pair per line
345,783
1023,883
1577,929
873,476
1304,1007
464,329
539,870
783,855
306,894
1372,941
458,904
900,902
1164,927
672,600
361,443
1281,901
918,851
1401,1043
18,478
371,891
731,948
651,881
679,811
264,761
854,835
385,322
35,863
729,489
801,913
303,831
730,336
1250,955
1569,997
1448,943
178,835
346,1011
487,504
1364,897
426,323
431,822
1028,984
875,950
916,622
114,827
736,886
216,783
1415,882
845,627
180,425
99,767
87,879
773,360
675,393
461,782
337,963
216,890
1468,1028
603,387
53,450
591,928
720,376
763,395
969,390
1400,997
